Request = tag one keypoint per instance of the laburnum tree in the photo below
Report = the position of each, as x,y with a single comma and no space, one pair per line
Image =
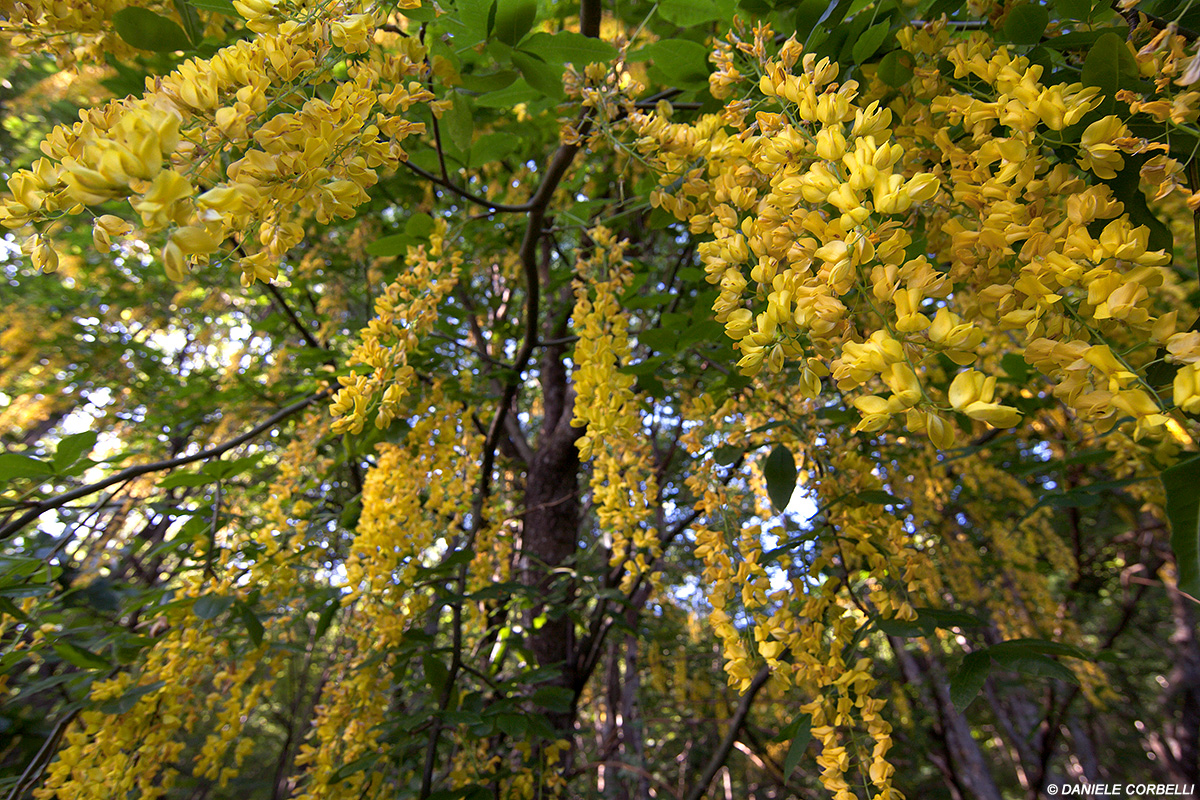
471,399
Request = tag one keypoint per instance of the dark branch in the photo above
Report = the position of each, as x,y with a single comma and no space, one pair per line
735,727
464,194
42,506
291,315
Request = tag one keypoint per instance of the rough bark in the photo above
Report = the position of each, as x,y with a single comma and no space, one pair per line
968,766
550,539
1177,745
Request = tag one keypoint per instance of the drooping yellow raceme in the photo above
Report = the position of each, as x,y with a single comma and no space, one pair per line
900,254
72,31
415,504
623,481
864,243
163,154
140,748
406,310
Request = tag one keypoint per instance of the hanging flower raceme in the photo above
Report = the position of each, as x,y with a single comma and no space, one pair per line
623,482
878,248
405,311
216,160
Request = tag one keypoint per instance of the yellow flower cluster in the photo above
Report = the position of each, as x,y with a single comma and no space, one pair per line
623,481
415,500
143,744
70,31
136,752
713,549
405,311
867,245
218,158
813,619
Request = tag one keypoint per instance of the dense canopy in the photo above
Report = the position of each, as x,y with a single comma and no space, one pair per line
603,399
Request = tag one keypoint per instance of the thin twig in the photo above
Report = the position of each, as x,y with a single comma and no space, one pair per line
42,506
735,726
464,194
309,339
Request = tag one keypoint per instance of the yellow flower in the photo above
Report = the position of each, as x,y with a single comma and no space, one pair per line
1100,154
972,392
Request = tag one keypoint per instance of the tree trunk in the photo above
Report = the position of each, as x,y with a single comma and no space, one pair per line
550,539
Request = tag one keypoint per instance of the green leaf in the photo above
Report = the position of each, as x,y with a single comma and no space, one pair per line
947,7
832,12
416,231
477,16
554,698
1182,485
689,13
900,628
223,469
192,26
422,13
17,466
1078,40
800,739
391,245
354,767
145,30
895,68
459,123
211,606
518,92
1126,187
780,472
727,454
216,6
708,330
177,479
514,18
661,340
19,590
127,701
514,725
1035,664
1074,9
755,8
9,607
1015,367
80,657
419,226
126,81
491,82
876,497
1020,647
1026,24
943,618
869,43
1101,67
567,46
328,612
969,679
492,147
72,447
546,78
254,627
680,60
435,672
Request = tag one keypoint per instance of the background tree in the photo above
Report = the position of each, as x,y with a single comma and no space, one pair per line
516,399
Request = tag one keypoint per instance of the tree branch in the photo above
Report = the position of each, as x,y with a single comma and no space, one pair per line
464,194
291,315
42,506
735,727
